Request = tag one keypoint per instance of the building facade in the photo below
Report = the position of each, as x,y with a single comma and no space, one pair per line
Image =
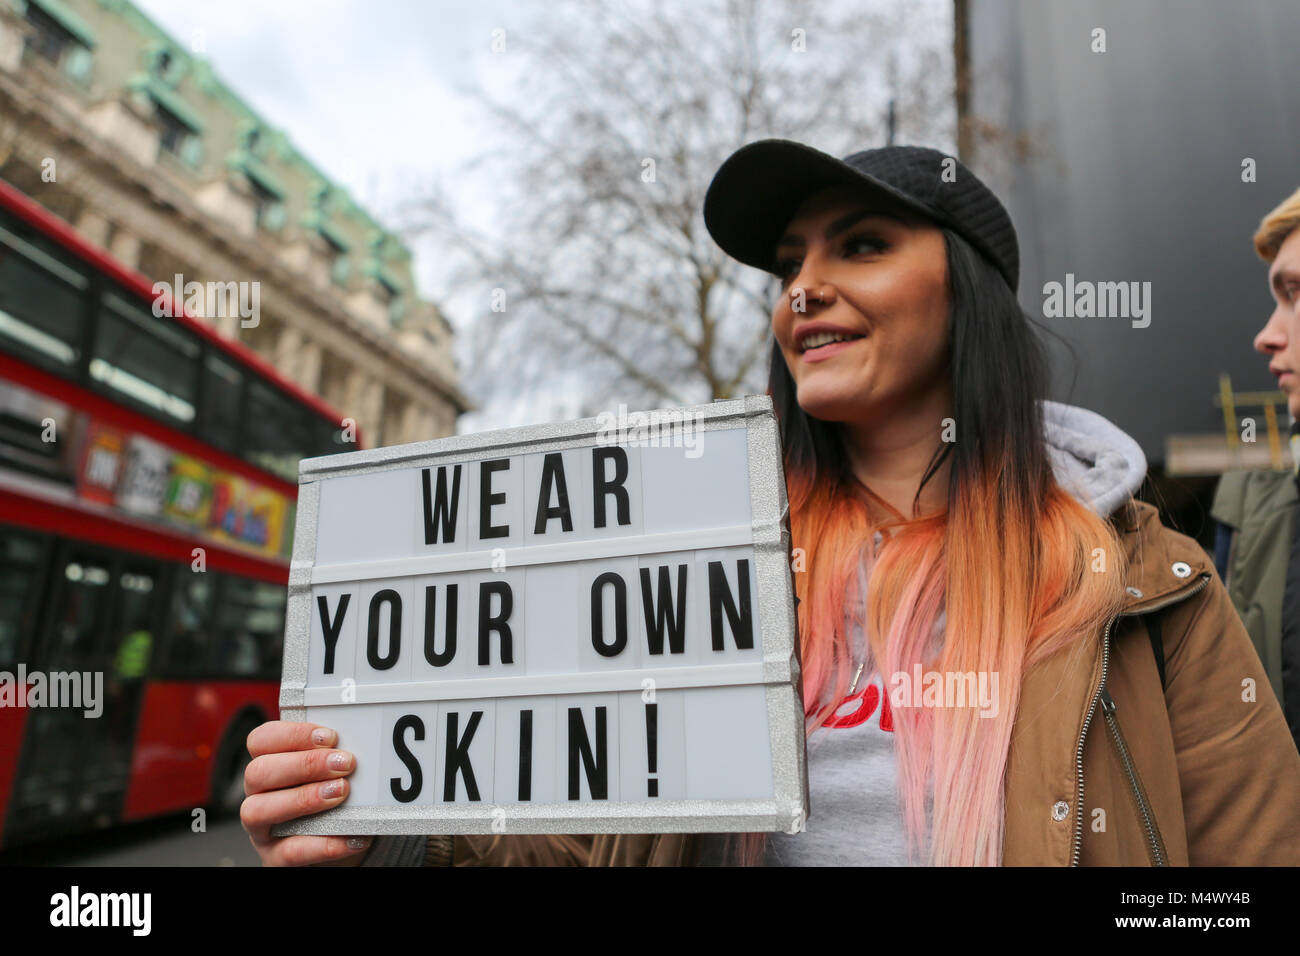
120,130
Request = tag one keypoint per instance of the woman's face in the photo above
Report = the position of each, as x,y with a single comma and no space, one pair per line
881,275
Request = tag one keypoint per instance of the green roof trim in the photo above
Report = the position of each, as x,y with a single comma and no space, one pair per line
259,173
380,274
333,235
315,220
172,102
64,16
204,78
168,99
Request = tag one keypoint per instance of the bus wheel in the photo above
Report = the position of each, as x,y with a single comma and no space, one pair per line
228,770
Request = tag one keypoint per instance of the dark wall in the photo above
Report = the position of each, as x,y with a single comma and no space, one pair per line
1134,173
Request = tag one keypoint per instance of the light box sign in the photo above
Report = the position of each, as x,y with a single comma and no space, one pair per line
567,628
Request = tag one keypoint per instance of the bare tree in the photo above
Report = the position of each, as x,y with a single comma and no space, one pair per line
598,270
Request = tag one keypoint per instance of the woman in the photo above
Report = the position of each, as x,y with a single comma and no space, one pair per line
952,522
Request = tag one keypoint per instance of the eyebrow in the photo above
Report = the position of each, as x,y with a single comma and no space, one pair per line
839,225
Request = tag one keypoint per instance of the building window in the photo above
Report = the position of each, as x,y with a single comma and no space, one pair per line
174,132
167,66
263,201
338,259
77,64
270,211
58,35
51,38
179,126
390,297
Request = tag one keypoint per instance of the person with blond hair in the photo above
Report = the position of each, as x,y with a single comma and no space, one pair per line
951,519
1257,549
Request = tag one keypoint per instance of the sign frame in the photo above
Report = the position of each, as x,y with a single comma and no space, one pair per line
778,671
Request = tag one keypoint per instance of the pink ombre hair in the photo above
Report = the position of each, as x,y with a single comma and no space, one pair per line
1011,564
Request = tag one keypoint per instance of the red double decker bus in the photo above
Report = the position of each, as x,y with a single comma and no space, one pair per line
147,486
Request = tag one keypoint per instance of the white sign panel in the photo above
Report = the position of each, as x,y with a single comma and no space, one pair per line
579,627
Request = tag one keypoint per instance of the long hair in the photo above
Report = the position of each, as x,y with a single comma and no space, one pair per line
1007,574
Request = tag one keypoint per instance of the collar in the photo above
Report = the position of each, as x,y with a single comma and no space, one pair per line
1161,565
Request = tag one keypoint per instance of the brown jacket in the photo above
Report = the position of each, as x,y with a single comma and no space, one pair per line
1205,774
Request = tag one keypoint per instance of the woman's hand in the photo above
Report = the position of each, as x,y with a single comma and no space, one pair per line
295,772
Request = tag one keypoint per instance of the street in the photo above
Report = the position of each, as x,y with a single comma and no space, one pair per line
168,841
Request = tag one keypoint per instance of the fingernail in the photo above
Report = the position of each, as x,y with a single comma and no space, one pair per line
322,737
339,761
332,789
358,843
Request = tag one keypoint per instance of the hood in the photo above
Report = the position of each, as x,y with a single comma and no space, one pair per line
1092,459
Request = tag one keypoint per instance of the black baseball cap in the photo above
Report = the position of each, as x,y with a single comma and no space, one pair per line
755,193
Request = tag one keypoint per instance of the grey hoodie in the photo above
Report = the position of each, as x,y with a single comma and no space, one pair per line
1094,460
855,815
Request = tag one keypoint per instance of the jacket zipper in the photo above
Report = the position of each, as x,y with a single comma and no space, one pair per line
1078,753
1148,818
1109,706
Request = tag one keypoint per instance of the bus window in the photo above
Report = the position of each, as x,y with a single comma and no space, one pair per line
274,439
324,438
222,384
20,564
149,360
131,646
250,629
41,311
189,625
80,614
